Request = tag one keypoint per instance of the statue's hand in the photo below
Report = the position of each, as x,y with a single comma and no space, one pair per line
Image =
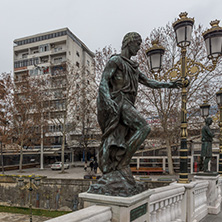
176,84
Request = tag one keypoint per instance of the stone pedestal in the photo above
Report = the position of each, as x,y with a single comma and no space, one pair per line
134,208
213,196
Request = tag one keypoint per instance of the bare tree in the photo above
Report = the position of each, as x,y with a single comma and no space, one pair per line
5,114
26,113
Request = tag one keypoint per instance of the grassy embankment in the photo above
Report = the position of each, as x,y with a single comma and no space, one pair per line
37,212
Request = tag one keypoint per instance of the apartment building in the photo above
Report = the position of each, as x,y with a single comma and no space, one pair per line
50,55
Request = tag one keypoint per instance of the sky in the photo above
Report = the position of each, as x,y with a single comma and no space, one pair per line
98,23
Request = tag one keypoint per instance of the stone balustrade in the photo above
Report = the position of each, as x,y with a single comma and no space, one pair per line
173,203
166,204
93,213
200,209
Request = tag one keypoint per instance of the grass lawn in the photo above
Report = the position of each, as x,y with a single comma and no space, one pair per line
37,212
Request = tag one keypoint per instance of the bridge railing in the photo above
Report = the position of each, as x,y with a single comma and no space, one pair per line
166,204
174,203
93,213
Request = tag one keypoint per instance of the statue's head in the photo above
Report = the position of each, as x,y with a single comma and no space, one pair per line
208,120
131,37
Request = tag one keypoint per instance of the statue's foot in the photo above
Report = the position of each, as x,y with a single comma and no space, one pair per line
127,174
118,183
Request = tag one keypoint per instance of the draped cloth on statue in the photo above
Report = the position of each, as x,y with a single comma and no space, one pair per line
115,132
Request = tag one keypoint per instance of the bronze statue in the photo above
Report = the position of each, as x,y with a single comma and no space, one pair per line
206,149
123,127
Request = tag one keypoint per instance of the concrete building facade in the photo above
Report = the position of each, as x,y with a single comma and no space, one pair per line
65,62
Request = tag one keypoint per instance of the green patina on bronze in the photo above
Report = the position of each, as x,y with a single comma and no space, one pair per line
206,149
123,127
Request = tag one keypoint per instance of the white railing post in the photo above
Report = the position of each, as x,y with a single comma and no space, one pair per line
213,203
191,164
164,164
200,200
186,203
137,163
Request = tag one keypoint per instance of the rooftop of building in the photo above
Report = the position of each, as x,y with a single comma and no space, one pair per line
49,35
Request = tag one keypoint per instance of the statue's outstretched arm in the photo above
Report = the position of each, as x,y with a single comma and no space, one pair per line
156,84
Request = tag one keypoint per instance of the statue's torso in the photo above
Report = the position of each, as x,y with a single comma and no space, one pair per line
118,81
125,78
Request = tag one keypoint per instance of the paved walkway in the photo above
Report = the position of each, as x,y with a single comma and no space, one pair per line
8,217
213,218
76,172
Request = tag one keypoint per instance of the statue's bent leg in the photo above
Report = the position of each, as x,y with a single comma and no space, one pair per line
132,118
206,161
201,163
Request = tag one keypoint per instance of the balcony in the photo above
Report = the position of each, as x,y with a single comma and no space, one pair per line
58,50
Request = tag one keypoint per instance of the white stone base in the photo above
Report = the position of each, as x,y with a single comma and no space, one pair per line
123,208
215,209
213,197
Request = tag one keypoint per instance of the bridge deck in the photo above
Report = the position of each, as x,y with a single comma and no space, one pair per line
213,218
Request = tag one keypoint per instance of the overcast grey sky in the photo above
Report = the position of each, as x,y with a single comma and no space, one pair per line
97,23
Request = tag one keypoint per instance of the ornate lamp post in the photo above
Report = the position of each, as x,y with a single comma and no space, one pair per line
219,102
33,184
187,67
183,29
204,109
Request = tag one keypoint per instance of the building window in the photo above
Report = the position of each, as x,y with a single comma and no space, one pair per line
34,61
40,38
44,48
44,60
45,70
58,60
24,55
58,48
77,64
22,63
56,70
33,72
77,53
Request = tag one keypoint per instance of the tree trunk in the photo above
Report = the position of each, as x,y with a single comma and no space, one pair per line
42,150
169,157
63,152
21,158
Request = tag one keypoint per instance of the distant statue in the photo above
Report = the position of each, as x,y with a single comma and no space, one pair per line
123,127
206,149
